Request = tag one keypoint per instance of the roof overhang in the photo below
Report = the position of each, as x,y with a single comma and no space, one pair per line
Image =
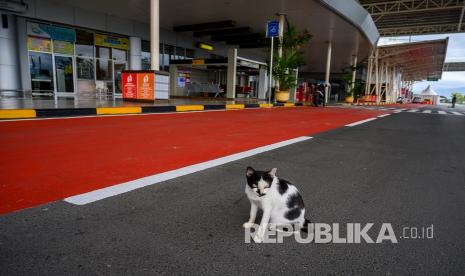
416,17
345,23
418,60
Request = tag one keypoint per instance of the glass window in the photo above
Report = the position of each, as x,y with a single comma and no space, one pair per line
41,69
104,70
40,66
146,61
39,44
145,46
85,68
190,53
180,52
119,54
103,52
84,43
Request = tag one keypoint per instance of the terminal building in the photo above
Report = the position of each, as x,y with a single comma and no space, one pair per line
78,49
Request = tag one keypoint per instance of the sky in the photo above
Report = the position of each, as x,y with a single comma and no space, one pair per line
451,81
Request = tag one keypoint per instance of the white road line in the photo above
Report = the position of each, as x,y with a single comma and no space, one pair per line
413,110
427,111
103,193
361,122
384,115
442,112
456,113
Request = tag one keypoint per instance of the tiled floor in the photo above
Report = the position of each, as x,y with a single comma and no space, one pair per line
39,103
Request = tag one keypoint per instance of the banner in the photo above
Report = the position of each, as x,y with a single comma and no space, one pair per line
63,47
145,86
111,41
39,44
49,31
129,85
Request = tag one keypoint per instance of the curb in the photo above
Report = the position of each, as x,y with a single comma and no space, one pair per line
102,111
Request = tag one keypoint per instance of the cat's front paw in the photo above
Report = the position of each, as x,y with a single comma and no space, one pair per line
248,225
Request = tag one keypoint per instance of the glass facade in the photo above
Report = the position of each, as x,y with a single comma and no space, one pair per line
71,61
167,53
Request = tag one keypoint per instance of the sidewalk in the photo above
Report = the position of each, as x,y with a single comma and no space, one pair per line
49,103
23,108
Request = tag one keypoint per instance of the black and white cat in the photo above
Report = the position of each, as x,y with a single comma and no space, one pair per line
280,201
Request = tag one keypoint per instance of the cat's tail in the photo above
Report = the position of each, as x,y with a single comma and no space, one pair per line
306,226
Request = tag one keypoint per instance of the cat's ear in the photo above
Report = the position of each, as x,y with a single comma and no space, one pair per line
250,171
273,172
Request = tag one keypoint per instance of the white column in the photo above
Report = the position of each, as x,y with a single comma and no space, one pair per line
328,69
135,53
9,62
262,83
354,72
155,34
231,77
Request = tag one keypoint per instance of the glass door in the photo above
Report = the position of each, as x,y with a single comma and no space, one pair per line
119,67
64,74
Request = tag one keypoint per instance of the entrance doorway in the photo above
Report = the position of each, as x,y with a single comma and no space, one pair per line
64,74
118,69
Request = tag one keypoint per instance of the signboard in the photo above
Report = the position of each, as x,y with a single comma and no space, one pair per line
129,85
272,28
111,41
49,31
432,79
63,47
145,86
39,44
198,62
162,86
249,64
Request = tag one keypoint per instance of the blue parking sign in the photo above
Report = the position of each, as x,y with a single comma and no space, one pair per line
272,28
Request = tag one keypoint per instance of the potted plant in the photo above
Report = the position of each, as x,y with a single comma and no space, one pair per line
292,57
346,78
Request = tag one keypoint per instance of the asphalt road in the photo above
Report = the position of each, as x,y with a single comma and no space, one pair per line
407,169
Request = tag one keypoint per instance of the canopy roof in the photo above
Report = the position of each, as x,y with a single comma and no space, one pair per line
345,23
418,60
415,17
429,92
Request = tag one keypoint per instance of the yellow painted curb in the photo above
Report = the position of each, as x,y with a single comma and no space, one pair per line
17,113
266,105
189,108
235,106
119,110
289,105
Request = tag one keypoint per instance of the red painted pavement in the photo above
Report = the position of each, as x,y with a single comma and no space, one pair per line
47,160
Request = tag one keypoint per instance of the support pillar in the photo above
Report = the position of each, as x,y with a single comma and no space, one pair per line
173,80
9,62
262,83
328,69
231,78
135,53
354,72
155,34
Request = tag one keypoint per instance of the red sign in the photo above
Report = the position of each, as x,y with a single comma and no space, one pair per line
129,85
